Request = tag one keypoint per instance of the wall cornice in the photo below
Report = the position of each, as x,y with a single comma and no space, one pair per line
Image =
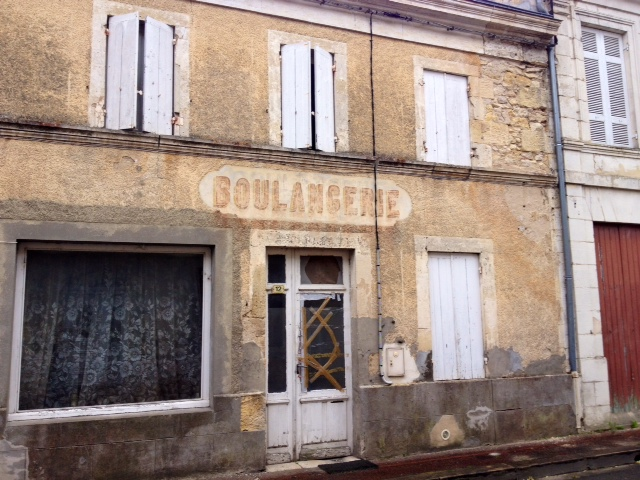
598,149
344,164
522,26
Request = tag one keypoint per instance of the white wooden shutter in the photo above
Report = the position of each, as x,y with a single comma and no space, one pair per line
456,319
157,97
296,95
606,89
447,118
122,71
324,100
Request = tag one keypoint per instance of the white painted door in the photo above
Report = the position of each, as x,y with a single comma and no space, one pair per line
456,317
308,356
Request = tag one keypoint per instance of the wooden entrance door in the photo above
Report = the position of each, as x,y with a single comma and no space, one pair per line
618,263
309,363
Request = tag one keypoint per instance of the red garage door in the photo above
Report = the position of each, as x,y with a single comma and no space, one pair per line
618,260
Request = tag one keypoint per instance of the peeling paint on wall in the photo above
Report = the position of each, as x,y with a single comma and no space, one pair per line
252,413
446,432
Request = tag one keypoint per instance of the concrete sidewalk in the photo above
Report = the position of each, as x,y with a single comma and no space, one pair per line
531,460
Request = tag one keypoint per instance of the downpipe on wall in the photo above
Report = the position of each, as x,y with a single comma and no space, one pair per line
566,238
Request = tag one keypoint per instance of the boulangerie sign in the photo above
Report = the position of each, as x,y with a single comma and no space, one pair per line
262,194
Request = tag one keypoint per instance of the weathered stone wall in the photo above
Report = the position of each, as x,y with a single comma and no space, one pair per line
473,413
229,86
92,185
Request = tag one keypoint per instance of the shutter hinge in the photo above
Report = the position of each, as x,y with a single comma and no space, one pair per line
626,48
335,139
480,269
333,67
177,120
175,39
421,83
139,92
106,32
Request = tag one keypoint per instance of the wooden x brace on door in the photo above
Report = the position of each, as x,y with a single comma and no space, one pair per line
311,360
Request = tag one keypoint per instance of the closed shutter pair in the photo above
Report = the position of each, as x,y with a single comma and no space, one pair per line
302,106
123,71
606,92
447,119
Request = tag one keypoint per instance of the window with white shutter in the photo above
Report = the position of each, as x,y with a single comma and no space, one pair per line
308,105
140,64
456,318
446,118
606,87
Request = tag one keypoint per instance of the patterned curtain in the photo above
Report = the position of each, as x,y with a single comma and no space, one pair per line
104,328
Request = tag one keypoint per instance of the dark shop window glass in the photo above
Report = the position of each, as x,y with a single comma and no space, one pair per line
276,269
105,328
277,367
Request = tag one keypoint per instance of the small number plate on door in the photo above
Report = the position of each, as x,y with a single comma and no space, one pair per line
278,289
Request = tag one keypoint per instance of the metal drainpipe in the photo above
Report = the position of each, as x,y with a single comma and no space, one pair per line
566,237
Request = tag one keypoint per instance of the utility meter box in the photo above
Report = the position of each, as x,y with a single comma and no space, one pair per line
395,362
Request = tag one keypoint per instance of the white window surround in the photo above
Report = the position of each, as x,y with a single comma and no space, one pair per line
420,65
74,412
606,79
181,23
602,21
276,40
480,246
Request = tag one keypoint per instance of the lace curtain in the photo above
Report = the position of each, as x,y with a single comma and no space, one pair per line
103,328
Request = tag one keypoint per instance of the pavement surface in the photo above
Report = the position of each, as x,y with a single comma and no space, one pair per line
521,461
627,472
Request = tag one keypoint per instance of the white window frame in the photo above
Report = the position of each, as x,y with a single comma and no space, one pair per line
276,40
16,356
422,65
181,23
488,296
602,59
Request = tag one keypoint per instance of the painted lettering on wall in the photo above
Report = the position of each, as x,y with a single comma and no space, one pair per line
263,194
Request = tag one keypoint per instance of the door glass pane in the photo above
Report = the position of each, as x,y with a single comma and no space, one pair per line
323,341
276,269
277,366
321,270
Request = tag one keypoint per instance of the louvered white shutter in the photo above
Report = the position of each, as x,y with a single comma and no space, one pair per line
456,319
324,100
157,97
606,89
122,71
447,118
296,95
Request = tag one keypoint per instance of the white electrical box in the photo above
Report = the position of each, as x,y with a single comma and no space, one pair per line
395,362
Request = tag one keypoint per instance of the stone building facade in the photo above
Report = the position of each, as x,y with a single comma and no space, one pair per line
237,233
598,86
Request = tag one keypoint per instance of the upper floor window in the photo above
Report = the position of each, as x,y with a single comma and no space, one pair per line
139,75
308,94
446,118
139,69
606,87
307,98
